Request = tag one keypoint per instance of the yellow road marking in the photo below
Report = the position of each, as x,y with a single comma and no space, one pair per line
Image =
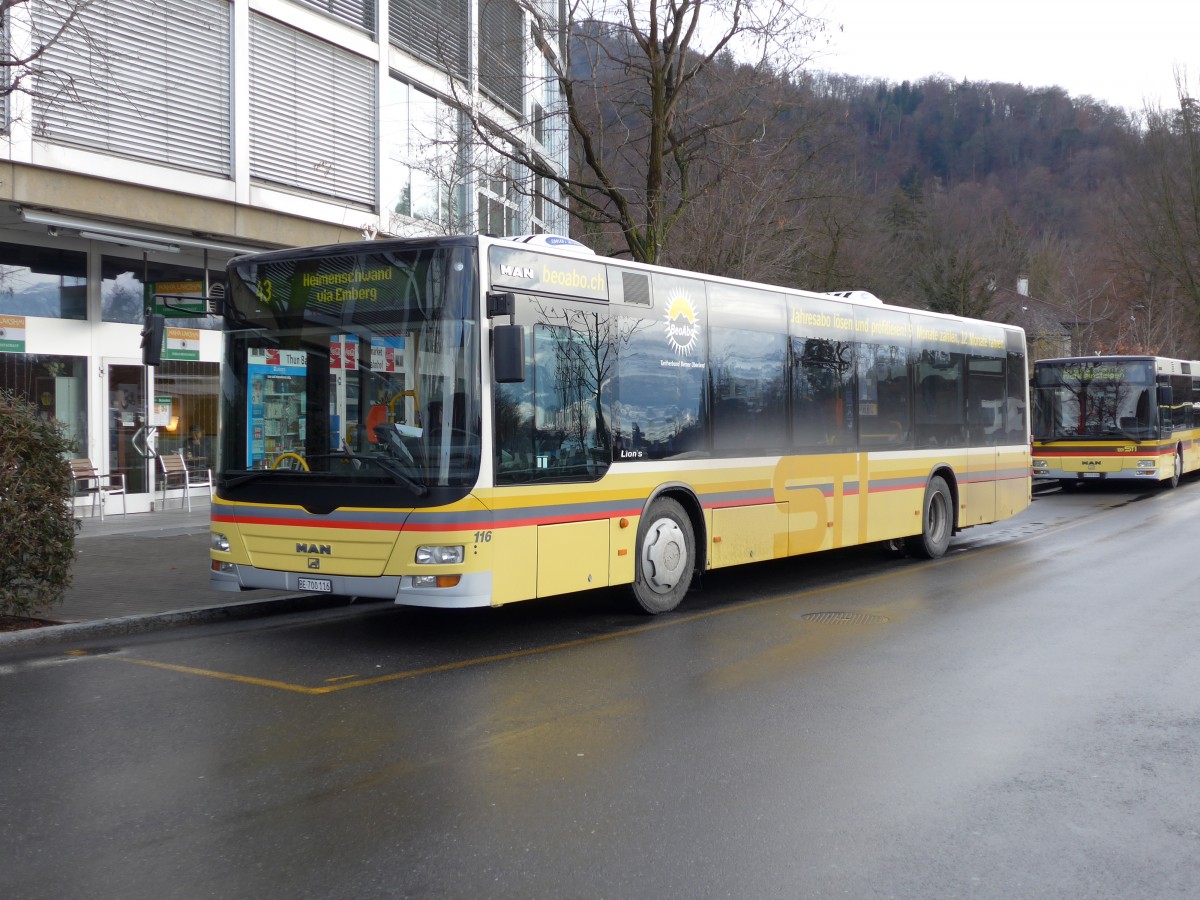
494,658
346,684
208,673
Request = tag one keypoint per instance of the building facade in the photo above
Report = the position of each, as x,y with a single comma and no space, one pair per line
158,139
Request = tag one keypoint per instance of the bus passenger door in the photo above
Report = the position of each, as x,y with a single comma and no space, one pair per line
984,428
978,489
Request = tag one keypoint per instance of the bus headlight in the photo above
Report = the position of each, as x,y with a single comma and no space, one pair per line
439,556
1145,464
220,542
1039,464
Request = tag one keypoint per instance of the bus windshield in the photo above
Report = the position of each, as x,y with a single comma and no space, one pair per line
1085,399
353,366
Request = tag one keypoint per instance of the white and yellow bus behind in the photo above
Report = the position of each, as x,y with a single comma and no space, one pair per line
1115,418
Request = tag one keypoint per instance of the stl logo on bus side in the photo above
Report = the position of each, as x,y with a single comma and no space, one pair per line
683,331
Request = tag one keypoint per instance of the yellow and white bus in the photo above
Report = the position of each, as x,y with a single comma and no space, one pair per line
472,421
1112,418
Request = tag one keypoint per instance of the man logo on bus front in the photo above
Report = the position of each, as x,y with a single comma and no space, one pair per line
683,331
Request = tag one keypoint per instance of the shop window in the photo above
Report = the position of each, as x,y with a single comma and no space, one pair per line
185,395
43,281
125,282
56,385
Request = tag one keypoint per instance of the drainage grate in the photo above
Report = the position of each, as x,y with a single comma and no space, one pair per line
844,618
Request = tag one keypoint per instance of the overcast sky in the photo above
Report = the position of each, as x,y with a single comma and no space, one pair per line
1119,52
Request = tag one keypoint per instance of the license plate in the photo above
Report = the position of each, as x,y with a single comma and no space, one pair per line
323,585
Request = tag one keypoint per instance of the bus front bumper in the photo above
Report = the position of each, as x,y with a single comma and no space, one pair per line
1143,469
472,589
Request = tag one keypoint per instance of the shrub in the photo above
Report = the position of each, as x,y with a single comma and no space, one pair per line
37,522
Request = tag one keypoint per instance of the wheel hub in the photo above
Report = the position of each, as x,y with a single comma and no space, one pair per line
664,556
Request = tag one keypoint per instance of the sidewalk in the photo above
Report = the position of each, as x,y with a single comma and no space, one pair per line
145,571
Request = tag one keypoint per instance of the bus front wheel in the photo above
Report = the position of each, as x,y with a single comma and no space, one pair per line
937,521
666,551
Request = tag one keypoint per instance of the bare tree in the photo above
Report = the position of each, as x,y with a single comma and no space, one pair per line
656,95
26,40
1074,285
1156,233
779,205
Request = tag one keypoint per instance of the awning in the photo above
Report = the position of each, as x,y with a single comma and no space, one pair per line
142,238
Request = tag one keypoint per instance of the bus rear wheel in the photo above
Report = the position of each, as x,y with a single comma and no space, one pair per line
1177,462
666,551
937,521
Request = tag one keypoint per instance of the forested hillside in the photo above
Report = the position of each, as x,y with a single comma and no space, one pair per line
969,190
955,196
1062,214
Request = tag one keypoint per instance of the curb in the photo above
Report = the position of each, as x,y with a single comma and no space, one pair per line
138,624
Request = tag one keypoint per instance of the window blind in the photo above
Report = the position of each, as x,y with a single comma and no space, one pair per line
147,81
434,30
360,13
312,114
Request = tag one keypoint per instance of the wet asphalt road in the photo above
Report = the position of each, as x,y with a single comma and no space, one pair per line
1020,719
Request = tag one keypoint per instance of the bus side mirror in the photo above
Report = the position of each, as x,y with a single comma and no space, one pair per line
508,354
1165,396
152,339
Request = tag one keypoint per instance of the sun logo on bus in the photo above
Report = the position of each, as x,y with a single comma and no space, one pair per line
683,331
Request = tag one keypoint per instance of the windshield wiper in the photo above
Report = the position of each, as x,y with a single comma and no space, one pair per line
385,463
397,455
394,470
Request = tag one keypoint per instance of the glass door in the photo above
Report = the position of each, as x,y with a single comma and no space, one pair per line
128,450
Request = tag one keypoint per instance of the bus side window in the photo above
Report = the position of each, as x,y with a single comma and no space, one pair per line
659,411
941,412
1017,382
749,407
985,400
884,418
822,394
